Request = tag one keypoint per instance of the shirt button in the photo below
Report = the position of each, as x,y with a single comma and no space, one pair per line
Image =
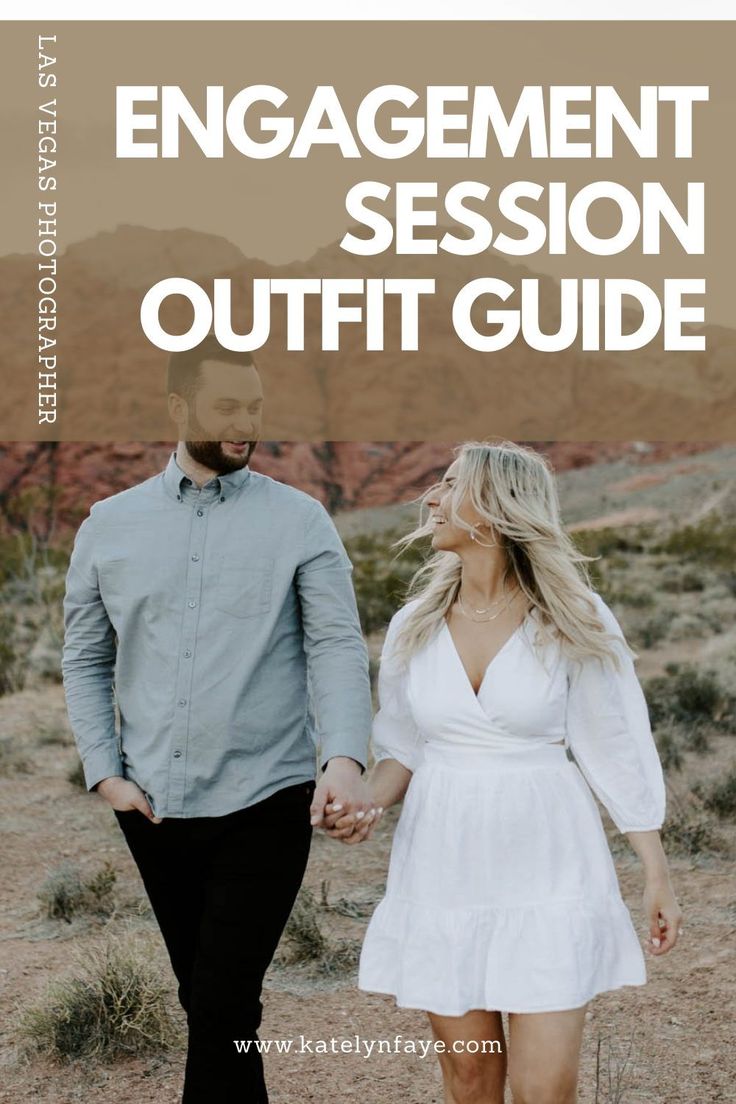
200,513
187,653
182,701
177,754
195,557
192,605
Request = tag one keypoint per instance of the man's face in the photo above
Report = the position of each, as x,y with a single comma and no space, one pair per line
223,423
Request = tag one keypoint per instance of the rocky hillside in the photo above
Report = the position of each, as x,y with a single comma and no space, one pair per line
62,479
112,383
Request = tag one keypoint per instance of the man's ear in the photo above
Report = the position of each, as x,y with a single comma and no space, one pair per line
178,409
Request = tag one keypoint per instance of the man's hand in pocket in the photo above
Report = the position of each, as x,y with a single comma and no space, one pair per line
124,795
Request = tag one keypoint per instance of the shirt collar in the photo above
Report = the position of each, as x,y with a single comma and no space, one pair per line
227,484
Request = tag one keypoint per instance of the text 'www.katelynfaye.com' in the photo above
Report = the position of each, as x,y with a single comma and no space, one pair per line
356,1044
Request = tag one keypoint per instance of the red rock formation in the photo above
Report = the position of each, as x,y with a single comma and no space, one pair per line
65,478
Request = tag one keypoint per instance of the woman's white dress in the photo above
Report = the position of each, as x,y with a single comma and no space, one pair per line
501,892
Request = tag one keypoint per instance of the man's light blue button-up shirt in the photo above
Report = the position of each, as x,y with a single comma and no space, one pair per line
223,622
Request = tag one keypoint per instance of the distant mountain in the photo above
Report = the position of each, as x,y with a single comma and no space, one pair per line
136,257
111,378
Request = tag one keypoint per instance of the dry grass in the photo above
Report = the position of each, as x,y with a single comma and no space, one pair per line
65,893
305,942
613,1069
114,1005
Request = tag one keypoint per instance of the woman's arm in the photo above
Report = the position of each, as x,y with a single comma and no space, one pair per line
609,731
396,739
388,782
660,905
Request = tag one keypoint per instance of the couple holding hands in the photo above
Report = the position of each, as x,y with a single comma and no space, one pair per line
214,607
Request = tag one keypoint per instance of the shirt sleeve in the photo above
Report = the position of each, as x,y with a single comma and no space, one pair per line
337,657
88,663
610,735
395,732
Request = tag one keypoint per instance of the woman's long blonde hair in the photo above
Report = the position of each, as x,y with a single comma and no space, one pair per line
512,488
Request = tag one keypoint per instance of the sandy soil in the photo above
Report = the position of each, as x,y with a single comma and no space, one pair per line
680,1026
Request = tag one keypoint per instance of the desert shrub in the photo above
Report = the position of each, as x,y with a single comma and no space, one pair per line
306,942
345,906
12,557
679,579
113,1006
720,797
614,1066
610,541
12,664
693,698
652,631
29,549
688,829
13,759
100,887
75,775
711,541
689,833
32,579
52,731
380,577
688,626
636,599
305,938
340,958
697,738
669,745
65,893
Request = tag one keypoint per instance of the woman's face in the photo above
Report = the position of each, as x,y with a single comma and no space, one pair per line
447,537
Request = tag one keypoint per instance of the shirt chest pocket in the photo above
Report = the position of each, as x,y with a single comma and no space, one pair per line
245,587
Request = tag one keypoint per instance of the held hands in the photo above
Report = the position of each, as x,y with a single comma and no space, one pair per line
342,803
123,795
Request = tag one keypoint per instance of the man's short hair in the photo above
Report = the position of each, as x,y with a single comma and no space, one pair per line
182,376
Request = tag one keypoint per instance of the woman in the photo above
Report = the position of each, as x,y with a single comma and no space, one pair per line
502,895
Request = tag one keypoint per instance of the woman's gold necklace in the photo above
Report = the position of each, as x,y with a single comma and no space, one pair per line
493,616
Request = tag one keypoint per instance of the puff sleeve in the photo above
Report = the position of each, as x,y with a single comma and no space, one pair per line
610,736
395,734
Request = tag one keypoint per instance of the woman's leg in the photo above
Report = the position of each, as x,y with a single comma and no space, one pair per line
544,1055
474,1060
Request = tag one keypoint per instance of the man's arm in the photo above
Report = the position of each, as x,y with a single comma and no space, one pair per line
336,653
88,663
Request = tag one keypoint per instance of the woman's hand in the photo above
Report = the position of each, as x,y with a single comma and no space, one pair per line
351,827
386,785
663,915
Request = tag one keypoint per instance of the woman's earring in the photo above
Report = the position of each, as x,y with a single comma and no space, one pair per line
472,533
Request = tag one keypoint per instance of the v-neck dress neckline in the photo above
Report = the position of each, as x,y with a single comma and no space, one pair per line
509,640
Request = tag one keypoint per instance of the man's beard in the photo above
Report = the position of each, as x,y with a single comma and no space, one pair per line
210,454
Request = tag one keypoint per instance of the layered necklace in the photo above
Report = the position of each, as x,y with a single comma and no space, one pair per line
503,602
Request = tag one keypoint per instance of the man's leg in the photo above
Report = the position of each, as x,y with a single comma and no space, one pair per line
255,868
172,871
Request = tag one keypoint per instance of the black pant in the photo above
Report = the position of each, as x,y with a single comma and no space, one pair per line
222,889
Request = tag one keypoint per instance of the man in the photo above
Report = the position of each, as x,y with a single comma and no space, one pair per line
216,605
